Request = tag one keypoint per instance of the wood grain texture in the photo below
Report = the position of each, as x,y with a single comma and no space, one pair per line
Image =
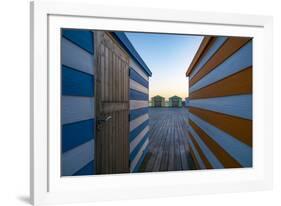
221,154
232,45
112,99
236,84
242,129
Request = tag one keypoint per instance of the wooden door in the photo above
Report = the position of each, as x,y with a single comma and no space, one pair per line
112,106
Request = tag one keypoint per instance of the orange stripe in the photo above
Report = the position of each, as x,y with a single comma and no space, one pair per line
194,159
205,44
231,45
235,126
236,84
201,154
220,153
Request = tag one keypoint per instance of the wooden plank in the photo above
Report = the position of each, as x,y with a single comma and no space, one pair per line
109,107
236,84
242,129
231,46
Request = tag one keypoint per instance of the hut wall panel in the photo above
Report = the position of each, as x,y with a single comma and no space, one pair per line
138,104
138,121
77,158
237,149
139,118
238,105
134,75
138,87
196,157
78,103
222,94
206,151
136,162
75,109
136,67
240,60
138,112
217,44
75,57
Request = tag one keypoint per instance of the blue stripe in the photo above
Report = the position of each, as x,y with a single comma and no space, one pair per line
82,38
138,147
138,78
216,164
138,165
125,42
89,169
75,57
216,45
240,60
75,134
137,112
77,83
137,130
239,106
136,95
238,150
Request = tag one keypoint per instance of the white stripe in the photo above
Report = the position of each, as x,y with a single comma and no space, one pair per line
75,159
138,156
138,138
138,69
137,86
207,152
197,156
75,108
75,57
138,121
137,104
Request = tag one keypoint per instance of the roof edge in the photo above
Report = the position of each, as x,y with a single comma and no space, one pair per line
125,42
206,40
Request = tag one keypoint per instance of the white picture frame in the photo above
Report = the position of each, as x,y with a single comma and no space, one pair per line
46,184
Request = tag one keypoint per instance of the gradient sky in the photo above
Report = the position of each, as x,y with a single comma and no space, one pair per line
168,57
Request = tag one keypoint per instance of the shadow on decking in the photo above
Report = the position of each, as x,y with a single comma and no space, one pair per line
168,148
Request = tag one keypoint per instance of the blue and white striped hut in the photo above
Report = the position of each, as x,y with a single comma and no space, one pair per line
104,103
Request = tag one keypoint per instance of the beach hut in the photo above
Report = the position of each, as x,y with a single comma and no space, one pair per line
158,101
220,105
104,102
175,101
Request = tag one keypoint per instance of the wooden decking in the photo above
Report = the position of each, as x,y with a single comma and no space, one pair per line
168,149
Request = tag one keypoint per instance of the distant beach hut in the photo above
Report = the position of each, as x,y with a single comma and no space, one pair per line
175,101
158,101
